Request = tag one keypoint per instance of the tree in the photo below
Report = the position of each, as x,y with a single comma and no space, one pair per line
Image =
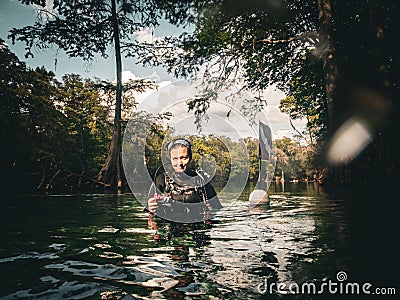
254,166
11,104
349,47
260,42
56,133
306,100
88,125
32,129
328,56
85,28
293,160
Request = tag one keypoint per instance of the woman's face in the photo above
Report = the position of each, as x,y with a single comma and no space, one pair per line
179,158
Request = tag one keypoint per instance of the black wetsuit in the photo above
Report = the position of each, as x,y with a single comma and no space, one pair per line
190,192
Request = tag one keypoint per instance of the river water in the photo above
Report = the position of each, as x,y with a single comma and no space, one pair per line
106,247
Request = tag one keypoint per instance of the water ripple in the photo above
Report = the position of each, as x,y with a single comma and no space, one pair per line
112,250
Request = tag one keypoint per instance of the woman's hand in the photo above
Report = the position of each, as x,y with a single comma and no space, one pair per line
152,205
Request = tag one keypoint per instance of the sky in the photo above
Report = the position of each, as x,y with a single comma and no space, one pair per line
14,14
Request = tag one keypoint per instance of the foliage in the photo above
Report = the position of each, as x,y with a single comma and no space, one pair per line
306,100
56,132
88,123
86,28
232,43
31,126
293,160
253,46
327,56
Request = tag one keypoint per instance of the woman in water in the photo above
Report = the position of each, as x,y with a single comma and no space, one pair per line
184,194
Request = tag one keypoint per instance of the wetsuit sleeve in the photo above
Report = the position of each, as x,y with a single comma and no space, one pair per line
160,183
212,196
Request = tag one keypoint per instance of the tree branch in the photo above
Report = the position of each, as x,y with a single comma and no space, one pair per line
100,182
48,186
300,134
311,36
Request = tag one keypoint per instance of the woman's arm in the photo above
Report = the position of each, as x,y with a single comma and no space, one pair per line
212,196
160,188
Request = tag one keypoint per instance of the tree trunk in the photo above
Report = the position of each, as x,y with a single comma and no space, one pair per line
387,124
111,170
328,57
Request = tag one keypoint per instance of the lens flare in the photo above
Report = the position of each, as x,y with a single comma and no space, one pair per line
348,141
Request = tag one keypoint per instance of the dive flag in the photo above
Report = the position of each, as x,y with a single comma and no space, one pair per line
265,141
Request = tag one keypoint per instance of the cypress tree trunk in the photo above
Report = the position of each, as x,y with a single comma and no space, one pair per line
386,122
110,174
328,57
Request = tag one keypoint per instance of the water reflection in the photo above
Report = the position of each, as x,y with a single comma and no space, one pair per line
106,247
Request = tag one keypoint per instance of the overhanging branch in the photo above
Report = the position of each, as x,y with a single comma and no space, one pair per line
312,36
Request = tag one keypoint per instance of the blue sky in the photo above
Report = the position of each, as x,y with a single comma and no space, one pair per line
15,14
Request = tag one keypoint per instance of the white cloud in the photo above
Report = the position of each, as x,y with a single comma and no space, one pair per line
127,76
142,96
145,36
154,76
279,121
280,133
273,95
173,99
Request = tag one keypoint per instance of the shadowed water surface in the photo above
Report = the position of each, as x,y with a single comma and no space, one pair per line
106,247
